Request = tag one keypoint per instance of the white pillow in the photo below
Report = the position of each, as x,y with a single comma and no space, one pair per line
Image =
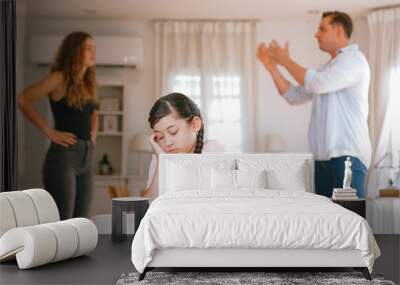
282,173
251,178
237,179
223,179
293,178
188,177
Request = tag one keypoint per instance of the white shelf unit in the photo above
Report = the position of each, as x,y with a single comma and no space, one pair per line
113,143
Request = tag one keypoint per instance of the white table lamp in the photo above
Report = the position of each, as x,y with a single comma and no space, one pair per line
140,143
140,154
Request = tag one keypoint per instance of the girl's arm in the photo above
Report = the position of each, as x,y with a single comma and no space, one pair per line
151,190
39,89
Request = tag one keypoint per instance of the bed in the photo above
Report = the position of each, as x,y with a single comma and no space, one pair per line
247,210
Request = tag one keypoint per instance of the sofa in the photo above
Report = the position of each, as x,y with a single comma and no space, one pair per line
31,231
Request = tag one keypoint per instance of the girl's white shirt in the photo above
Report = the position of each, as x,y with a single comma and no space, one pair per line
208,146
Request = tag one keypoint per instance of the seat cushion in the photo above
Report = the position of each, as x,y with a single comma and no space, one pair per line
45,205
40,244
26,208
7,220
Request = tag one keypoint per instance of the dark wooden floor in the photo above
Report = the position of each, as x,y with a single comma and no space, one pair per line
110,260
103,266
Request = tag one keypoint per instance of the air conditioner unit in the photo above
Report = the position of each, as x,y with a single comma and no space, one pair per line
111,51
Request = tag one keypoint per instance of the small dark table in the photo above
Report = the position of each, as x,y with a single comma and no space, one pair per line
139,205
357,206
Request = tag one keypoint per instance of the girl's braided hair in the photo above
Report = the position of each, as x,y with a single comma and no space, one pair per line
184,107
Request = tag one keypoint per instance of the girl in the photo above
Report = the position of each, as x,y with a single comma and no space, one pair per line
177,128
71,89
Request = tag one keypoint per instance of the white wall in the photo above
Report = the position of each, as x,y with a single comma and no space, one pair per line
274,115
140,84
360,34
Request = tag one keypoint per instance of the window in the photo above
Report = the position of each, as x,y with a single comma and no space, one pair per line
394,116
221,107
188,85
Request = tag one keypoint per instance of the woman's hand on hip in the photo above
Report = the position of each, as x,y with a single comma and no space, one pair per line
62,138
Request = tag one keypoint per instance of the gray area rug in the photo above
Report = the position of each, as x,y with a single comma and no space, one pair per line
230,278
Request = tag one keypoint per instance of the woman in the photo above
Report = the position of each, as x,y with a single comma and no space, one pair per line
71,89
177,128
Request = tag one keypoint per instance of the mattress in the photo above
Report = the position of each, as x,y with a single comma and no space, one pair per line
250,219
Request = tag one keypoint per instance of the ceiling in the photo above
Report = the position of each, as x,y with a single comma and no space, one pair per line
198,9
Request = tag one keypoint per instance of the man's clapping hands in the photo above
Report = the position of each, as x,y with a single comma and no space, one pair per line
273,54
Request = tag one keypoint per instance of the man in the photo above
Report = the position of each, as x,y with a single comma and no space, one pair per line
339,94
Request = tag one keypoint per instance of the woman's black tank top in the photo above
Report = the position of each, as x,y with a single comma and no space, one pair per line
72,119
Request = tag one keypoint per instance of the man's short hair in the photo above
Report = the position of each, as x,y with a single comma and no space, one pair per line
340,18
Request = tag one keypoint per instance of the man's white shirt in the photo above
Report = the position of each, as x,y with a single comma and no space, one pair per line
339,94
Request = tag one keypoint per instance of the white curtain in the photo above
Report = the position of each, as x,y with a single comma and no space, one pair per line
213,63
384,59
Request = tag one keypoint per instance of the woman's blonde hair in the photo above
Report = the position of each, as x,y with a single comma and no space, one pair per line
69,60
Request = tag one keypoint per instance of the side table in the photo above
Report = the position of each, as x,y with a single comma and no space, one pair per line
356,205
138,205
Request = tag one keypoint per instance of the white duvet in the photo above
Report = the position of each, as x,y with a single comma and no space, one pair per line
250,218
